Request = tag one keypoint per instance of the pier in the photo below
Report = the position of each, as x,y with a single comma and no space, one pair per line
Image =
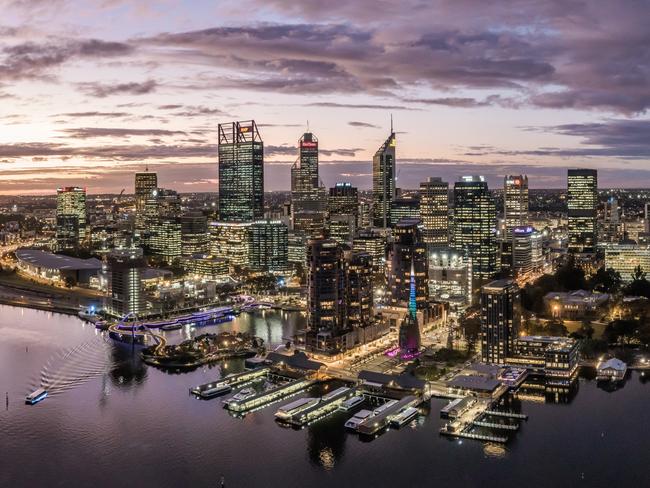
232,380
512,415
270,396
374,424
479,437
491,425
328,404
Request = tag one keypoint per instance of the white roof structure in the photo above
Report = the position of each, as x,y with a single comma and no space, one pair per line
613,363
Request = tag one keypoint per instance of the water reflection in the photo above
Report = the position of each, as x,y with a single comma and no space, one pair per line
542,390
126,367
326,442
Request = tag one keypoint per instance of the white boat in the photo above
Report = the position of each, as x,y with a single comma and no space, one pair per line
212,390
350,403
287,411
354,421
404,417
383,407
36,396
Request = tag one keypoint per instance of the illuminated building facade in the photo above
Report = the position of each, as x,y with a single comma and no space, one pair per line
372,243
344,200
582,202
409,339
326,297
194,234
383,181
522,250
241,172
625,258
205,266
125,290
359,289
515,203
408,254
71,217
145,184
230,241
268,245
308,197
450,276
434,212
475,225
500,319
404,208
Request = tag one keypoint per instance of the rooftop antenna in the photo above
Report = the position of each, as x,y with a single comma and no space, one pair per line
307,126
391,123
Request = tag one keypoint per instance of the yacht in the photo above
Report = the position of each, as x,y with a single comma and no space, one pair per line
404,417
243,394
36,396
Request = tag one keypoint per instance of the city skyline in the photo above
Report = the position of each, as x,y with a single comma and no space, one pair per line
95,91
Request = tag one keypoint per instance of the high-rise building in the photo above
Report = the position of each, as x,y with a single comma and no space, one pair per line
383,181
308,196
71,216
241,172
404,208
373,243
475,225
360,289
343,200
194,233
165,239
268,245
515,203
297,248
500,320
522,250
450,276
407,253
145,184
326,297
230,241
612,227
434,212
125,290
582,203
625,258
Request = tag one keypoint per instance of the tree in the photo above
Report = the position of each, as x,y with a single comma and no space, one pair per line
556,327
621,331
640,286
605,280
470,324
571,277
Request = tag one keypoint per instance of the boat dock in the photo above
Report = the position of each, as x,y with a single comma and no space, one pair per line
328,404
512,415
270,396
232,380
480,416
478,437
377,422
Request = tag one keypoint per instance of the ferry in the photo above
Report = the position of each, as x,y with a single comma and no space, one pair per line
286,412
350,403
171,327
383,407
212,390
36,396
358,417
404,417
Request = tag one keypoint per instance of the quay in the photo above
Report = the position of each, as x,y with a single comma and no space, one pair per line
327,405
270,396
377,422
232,380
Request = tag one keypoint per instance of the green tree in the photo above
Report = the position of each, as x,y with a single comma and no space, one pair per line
640,286
470,324
571,277
605,280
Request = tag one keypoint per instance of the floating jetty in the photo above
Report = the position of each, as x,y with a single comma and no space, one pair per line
492,425
327,405
512,415
478,437
377,422
464,427
270,396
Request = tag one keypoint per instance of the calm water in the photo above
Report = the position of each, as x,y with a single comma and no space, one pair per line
112,421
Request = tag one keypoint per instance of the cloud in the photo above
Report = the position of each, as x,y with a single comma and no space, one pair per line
94,114
102,90
363,124
271,151
368,106
91,132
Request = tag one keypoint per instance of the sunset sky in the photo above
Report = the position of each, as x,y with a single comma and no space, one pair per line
94,90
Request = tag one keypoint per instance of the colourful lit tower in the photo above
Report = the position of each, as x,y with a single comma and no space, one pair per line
383,180
241,172
409,330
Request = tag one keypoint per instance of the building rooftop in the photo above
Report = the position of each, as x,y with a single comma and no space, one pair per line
613,363
47,260
298,360
404,381
476,383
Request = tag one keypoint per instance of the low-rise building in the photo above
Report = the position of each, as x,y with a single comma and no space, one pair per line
556,358
57,267
574,304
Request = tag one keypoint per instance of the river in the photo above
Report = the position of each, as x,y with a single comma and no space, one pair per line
112,421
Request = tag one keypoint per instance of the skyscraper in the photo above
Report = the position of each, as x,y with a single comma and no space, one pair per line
308,196
383,181
500,320
145,184
359,289
343,212
408,253
194,233
125,291
515,203
434,212
268,245
582,203
71,216
241,172
475,225
326,297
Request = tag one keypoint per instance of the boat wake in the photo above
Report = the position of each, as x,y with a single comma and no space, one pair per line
75,366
